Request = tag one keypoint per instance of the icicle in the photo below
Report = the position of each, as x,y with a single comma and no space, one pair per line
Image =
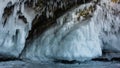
14,29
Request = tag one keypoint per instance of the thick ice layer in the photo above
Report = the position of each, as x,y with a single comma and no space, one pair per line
70,39
107,19
74,37
13,29
78,38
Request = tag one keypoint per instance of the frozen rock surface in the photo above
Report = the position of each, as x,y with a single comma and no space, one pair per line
68,40
80,34
16,20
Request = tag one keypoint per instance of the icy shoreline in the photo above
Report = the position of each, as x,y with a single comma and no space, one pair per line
91,64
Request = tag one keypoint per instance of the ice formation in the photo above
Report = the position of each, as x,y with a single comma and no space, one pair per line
15,22
77,37
80,34
108,19
68,40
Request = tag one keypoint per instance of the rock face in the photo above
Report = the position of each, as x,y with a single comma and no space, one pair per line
48,30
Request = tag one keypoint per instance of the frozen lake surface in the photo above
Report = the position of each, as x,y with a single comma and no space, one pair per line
90,64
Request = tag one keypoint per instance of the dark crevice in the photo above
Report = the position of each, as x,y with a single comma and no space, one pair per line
8,59
106,59
22,17
66,61
5,21
116,59
15,37
101,59
7,12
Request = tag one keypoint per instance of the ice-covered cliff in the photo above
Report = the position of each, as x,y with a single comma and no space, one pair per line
15,23
70,39
81,33
18,17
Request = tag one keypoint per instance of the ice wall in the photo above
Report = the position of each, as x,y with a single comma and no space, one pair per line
80,34
107,17
70,39
15,22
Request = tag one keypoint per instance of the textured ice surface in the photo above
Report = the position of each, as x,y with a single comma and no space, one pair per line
70,39
73,39
107,19
13,30
91,64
